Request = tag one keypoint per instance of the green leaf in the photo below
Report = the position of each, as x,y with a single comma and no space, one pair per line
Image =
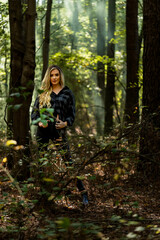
92,177
44,163
115,218
80,177
15,95
34,122
40,91
114,150
131,235
59,197
44,122
43,159
50,110
77,224
31,179
43,117
10,100
34,200
42,110
135,204
64,223
17,106
51,198
56,188
139,229
130,223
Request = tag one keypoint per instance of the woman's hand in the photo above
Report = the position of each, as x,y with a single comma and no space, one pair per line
40,124
60,124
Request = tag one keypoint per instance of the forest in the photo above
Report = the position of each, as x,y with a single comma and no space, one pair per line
109,52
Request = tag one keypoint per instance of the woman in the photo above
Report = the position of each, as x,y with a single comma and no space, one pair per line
60,98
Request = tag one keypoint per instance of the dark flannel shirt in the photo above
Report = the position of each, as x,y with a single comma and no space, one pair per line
63,104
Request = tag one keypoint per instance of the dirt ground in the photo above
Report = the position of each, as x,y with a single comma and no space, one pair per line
122,209
122,204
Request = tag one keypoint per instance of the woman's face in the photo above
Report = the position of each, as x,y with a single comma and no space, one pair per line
55,77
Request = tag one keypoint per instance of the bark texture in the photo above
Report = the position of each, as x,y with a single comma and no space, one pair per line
110,88
101,51
22,31
46,38
150,133
101,34
132,95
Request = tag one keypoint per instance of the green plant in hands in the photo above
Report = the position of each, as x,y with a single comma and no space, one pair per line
46,114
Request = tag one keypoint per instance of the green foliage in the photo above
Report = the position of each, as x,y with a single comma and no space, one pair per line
4,42
4,59
66,228
46,114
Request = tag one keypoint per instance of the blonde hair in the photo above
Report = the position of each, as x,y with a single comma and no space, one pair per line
44,97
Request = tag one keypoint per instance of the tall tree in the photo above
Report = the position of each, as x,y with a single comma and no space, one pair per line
101,34
150,134
22,32
110,88
91,15
46,38
132,93
74,25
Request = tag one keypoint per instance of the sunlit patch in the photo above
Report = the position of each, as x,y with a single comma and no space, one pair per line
59,139
18,147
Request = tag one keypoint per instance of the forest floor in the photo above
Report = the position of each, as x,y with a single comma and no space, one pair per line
122,205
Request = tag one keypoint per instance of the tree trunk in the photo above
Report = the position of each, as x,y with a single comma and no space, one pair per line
91,14
101,34
47,38
150,134
22,74
74,25
110,88
17,52
132,95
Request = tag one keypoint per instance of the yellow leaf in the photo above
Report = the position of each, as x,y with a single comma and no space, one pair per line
158,231
4,160
48,180
119,170
100,235
51,198
11,142
1,206
116,176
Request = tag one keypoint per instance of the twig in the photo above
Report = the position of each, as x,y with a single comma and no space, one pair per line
12,180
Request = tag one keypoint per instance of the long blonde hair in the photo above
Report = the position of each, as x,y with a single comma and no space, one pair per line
44,97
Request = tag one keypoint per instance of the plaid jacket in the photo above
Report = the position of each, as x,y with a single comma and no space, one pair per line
63,104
